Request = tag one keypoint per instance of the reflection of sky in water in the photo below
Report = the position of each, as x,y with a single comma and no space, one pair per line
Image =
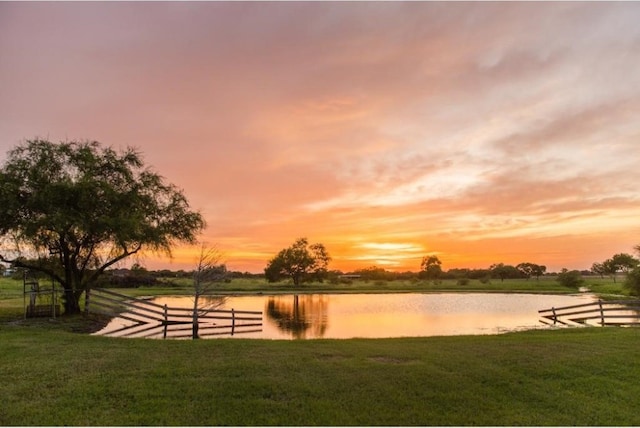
342,316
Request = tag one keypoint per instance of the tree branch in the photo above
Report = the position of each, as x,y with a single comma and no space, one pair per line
20,264
126,253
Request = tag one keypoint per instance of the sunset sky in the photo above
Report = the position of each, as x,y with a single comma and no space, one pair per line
480,132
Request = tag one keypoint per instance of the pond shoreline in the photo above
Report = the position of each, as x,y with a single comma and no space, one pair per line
604,287
444,290
348,315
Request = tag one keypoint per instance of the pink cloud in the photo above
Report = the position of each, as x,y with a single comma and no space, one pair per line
389,123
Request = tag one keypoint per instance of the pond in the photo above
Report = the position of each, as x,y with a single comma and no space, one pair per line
344,316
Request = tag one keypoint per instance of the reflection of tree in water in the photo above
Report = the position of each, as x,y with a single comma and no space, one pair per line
202,305
300,314
209,303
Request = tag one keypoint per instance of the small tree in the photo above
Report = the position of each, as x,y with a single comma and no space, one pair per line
538,271
299,262
609,268
430,267
209,271
503,271
570,278
531,269
599,269
621,262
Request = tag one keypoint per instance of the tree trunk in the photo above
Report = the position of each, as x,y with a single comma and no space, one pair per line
71,301
195,322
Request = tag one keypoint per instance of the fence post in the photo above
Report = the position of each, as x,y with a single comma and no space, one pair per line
166,323
601,313
233,321
554,315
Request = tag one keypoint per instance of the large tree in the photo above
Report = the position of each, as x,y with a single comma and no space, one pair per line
299,262
73,209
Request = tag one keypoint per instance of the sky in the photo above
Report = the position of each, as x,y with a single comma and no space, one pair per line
478,132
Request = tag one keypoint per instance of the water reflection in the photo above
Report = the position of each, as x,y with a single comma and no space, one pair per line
344,316
297,314
209,303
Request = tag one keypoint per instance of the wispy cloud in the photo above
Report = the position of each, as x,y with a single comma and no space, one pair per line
481,131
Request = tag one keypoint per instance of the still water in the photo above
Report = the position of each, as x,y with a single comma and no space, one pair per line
343,316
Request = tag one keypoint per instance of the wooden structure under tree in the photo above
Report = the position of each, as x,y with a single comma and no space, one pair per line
39,300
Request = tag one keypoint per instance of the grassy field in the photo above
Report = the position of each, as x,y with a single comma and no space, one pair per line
52,375
543,285
13,289
565,377
604,286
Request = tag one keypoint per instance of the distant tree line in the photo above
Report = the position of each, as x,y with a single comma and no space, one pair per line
302,262
431,269
137,276
618,263
621,263
306,262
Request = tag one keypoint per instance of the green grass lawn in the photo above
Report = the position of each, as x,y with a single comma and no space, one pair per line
52,375
563,377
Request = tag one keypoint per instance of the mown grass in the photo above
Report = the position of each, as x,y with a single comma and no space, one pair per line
565,377
53,376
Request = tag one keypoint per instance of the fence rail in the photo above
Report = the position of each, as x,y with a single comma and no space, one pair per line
602,313
143,318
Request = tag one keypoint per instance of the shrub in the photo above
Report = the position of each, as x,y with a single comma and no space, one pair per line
633,281
463,281
570,278
126,279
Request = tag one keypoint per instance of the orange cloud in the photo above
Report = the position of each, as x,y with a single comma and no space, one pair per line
481,132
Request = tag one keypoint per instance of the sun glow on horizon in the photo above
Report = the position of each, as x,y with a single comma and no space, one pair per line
386,131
